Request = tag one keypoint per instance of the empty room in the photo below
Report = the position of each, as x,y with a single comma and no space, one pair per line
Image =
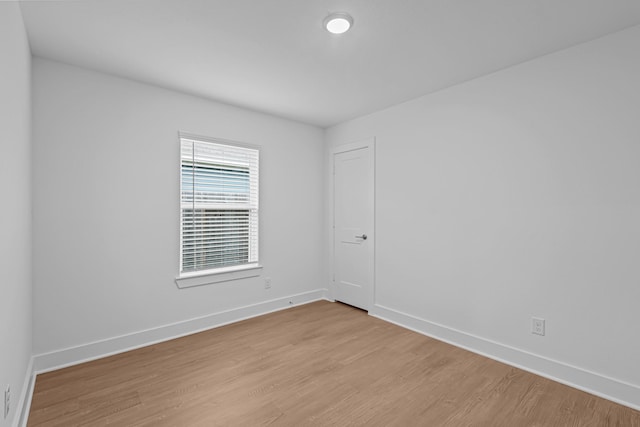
320,212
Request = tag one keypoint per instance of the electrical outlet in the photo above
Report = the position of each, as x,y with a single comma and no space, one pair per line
7,401
267,282
537,326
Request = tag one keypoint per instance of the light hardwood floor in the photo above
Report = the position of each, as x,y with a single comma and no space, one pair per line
323,364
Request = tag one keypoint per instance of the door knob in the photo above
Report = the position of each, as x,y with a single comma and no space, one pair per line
363,237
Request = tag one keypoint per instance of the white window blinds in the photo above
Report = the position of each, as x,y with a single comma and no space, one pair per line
219,205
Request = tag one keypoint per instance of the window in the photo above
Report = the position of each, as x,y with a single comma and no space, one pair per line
219,207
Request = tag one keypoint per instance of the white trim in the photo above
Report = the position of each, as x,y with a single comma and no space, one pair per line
591,382
98,349
352,146
369,143
24,404
224,274
254,168
195,137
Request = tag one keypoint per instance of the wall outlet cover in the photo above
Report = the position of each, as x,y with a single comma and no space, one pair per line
7,401
537,326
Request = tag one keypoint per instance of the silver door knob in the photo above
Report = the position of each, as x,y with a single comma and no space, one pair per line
363,237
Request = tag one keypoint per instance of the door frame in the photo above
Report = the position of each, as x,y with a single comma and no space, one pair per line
369,143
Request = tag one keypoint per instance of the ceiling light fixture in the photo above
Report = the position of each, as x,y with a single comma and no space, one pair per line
338,22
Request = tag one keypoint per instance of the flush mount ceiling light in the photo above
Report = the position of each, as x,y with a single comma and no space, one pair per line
338,22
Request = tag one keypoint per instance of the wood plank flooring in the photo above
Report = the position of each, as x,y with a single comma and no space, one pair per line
321,364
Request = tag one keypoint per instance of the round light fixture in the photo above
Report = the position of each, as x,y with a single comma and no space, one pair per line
338,22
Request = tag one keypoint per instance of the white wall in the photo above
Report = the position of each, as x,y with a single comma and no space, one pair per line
518,195
15,215
106,206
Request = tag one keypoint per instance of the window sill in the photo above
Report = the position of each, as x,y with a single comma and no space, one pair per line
218,275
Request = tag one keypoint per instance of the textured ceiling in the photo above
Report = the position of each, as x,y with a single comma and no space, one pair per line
274,56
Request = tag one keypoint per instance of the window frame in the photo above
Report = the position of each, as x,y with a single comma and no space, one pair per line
218,274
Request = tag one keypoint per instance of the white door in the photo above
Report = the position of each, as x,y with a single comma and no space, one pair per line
353,224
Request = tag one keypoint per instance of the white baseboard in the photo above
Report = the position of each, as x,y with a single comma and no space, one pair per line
24,403
98,349
600,385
